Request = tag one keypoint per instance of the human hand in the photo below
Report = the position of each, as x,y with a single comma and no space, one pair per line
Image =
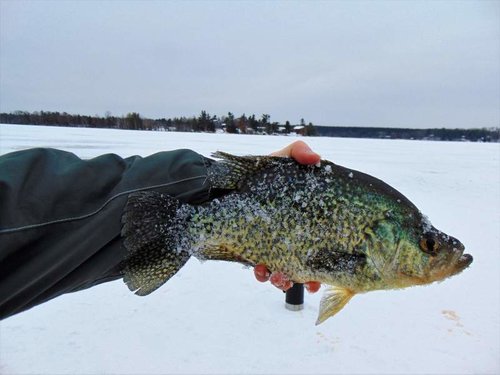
300,151
303,154
280,280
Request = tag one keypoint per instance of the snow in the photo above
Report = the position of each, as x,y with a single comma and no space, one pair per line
215,318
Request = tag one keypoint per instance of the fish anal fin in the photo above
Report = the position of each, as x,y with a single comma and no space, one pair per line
333,300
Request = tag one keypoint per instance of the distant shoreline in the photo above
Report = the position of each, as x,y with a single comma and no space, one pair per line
205,123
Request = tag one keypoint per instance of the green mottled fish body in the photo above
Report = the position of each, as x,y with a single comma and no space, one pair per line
324,223
308,222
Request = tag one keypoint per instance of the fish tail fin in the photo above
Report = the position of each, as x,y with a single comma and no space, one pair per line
152,231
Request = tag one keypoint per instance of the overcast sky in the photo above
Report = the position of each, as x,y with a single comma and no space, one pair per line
408,63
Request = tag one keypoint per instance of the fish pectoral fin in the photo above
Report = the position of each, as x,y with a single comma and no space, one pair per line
334,299
223,252
331,261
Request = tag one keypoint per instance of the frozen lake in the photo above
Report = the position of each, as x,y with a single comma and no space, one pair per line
215,318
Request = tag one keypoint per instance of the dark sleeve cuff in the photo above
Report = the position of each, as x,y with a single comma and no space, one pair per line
61,216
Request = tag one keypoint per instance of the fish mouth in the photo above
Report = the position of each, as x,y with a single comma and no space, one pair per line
450,266
464,261
460,260
458,263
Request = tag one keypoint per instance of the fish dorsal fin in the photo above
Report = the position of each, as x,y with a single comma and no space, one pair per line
333,300
249,162
228,173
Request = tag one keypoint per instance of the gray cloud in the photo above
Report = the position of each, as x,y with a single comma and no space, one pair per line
415,64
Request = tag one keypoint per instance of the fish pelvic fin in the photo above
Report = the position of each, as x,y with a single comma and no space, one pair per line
333,300
151,233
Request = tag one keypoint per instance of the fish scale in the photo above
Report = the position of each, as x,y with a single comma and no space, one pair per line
324,223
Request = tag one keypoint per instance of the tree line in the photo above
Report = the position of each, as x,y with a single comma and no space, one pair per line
243,124
134,121
432,134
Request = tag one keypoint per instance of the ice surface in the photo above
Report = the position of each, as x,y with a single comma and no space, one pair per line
215,318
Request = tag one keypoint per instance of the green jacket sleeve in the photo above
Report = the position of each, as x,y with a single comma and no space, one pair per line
60,217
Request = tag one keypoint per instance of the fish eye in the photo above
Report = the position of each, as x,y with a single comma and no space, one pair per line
429,245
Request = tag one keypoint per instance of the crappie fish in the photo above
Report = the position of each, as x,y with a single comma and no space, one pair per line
330,224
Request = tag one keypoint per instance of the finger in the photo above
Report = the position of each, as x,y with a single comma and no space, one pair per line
300,151
312,286
261,273
303,154
281,281
285,152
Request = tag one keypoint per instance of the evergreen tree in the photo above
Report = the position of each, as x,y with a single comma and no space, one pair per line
253,123
264,123
310,130
230,123
206,123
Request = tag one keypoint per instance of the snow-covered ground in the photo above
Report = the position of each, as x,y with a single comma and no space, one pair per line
215,318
